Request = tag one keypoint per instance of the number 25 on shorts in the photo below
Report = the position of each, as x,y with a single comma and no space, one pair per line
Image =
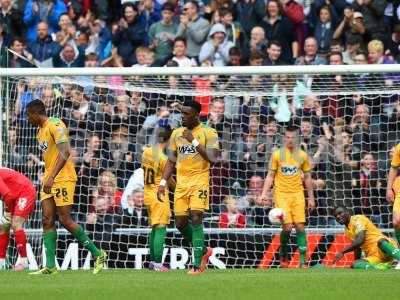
203,195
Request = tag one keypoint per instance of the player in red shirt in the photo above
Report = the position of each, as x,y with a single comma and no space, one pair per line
18,195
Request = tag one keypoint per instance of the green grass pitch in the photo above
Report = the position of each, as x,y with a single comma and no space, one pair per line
215,284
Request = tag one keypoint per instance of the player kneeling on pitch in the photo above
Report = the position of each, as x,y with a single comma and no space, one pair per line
154,160
379,250
18,195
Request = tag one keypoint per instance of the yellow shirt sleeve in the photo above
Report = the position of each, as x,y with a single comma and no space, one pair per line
274,162
144,155
306,166
359,225
163,162
59,132
396,157
172,143
211,139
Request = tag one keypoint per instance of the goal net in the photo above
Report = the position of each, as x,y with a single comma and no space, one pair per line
347,117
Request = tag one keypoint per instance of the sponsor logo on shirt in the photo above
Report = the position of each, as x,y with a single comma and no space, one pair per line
22,203
289,170
187,149
43,146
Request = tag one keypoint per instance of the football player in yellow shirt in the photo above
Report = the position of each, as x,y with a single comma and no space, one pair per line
191,149
287,165
154,160
58,187
392,186
379,250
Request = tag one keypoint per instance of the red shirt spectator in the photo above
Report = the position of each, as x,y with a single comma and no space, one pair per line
231,218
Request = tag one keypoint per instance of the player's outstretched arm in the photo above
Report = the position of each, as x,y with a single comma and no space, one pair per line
389,188
61,160
169,168
355,245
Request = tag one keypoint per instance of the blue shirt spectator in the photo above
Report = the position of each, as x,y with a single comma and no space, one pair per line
44,47
69,57
36,11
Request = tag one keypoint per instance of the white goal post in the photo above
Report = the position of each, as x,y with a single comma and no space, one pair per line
349,120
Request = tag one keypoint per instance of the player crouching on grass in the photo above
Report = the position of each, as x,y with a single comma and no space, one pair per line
18,195
154,160
379,250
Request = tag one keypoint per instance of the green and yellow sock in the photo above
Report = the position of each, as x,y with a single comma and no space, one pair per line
151,244
187,233
284,238
397,235
302,245
158,243
50,242
363,265
390,250
198,243
81,236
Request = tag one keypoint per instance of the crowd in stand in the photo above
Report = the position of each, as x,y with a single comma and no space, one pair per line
349,137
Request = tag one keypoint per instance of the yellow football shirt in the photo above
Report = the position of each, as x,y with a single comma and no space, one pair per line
153,165
396,157
287,166
191,168
52,133
360,223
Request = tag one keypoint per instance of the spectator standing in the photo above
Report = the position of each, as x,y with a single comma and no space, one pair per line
250,13
11,17
352,26
257,43
129,34
368,190
150,13
193,28
69,56
234,30
42,10
294,10
324,29
162,34
216,49
43,48
373,14
278,27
